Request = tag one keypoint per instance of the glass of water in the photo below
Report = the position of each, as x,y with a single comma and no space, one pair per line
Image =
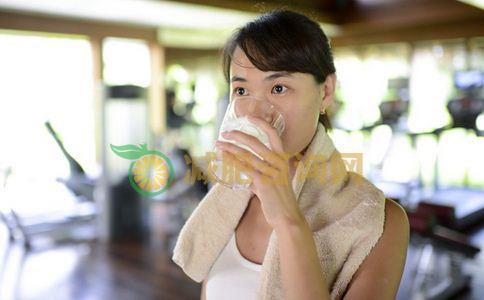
236,119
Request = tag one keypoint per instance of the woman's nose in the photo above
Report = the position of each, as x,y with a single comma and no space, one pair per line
259,96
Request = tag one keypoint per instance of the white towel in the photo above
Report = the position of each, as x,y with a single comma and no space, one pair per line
344,211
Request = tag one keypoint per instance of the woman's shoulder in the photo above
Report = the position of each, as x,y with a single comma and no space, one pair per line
365,192
381,270
396,225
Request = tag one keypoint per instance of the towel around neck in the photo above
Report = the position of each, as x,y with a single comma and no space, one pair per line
344,211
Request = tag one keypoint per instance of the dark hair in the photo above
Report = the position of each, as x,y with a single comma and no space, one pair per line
283,40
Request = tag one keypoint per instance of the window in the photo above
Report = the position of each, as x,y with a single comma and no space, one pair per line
45,78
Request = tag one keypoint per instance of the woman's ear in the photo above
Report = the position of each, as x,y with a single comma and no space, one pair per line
328,88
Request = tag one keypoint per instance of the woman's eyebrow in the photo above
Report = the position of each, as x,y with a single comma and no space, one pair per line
237,78
279,74
270,77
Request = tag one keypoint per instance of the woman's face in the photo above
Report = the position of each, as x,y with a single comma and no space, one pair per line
297,96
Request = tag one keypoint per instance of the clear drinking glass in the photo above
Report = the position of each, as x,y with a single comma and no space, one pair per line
236,119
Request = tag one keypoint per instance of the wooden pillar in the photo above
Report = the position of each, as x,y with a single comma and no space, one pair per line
156,95
97,73
102,198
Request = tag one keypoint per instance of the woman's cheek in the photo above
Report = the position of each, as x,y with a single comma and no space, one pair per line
290,134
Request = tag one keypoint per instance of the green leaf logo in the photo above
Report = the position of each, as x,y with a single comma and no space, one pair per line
150,173
129,151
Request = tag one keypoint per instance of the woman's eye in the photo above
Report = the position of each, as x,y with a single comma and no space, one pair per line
279,89
239,91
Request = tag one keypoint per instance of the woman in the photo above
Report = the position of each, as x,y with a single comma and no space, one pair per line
285,58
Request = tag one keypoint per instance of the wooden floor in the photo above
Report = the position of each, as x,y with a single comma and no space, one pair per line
129,270
92,271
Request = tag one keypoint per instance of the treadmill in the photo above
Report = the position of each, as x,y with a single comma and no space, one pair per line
464,206
59,210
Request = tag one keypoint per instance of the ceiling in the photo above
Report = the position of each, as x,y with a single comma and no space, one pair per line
347,21
136,12
350,14
365,13
368,21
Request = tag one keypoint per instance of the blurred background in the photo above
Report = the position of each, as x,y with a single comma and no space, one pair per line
77,76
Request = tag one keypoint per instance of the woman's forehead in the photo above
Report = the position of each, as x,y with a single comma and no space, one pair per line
244,74
240,60
242,67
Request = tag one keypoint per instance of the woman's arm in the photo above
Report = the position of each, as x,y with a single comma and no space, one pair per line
203,292
300,267
378,277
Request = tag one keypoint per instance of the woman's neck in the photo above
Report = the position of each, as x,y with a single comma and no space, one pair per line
294,162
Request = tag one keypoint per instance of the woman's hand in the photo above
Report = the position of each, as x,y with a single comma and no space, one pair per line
271,180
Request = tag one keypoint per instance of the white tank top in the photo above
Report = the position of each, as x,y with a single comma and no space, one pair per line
232,276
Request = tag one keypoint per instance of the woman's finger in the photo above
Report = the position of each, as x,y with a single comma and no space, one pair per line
257,177
255,145
274,138
249,158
